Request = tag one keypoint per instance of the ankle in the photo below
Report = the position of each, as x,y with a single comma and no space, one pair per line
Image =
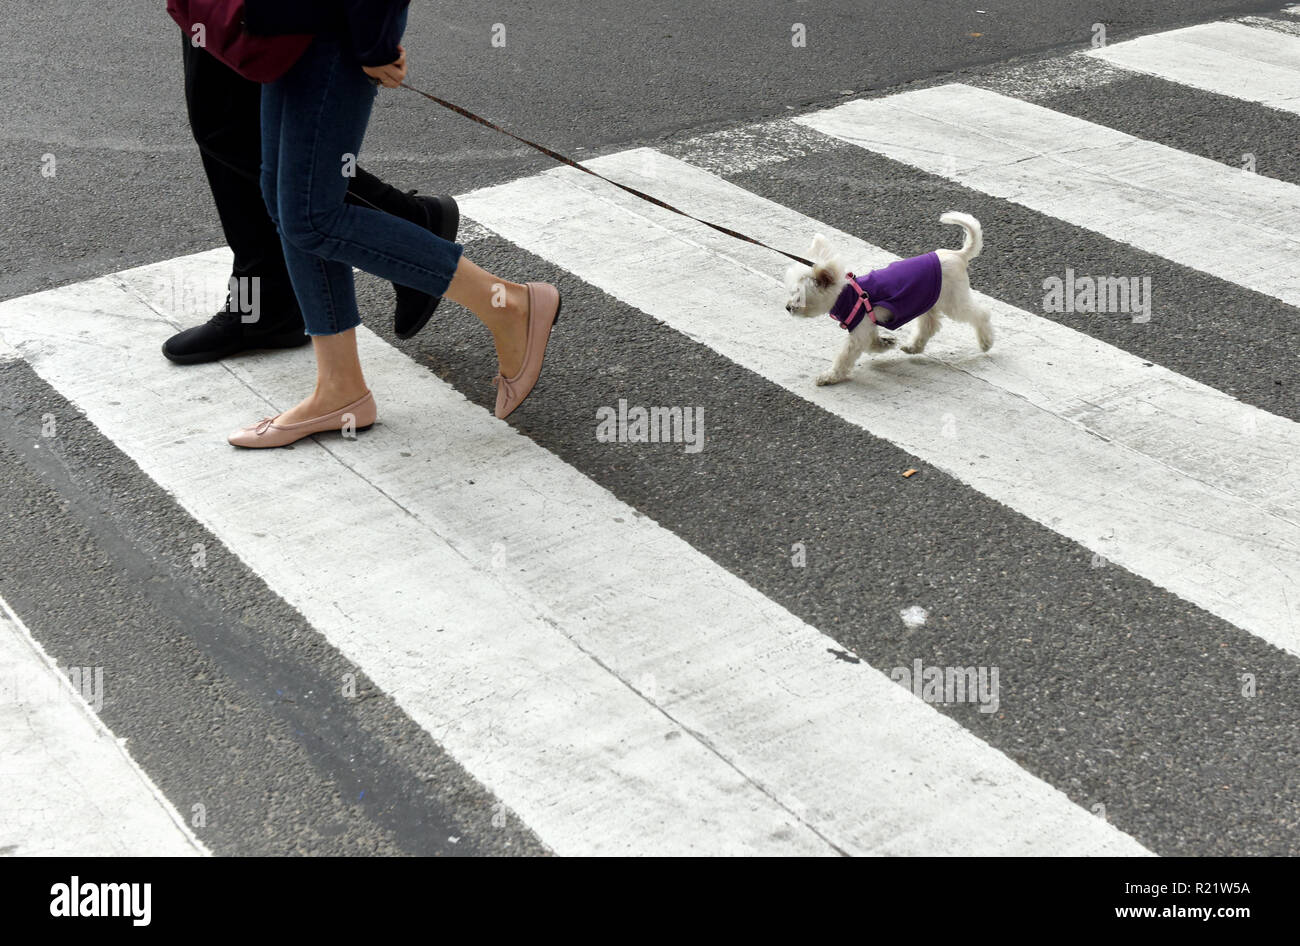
506,308
518,301
344,390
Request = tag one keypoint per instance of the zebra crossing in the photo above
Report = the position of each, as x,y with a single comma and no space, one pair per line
623,686
1230,59
1042,412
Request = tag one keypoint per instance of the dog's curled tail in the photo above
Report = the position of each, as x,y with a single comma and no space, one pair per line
974,241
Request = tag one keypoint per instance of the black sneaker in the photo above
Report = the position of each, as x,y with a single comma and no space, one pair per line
227,334
415,308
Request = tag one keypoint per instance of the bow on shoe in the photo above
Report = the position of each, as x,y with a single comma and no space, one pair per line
264,425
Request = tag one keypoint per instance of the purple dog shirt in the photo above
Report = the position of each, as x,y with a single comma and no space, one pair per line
907,288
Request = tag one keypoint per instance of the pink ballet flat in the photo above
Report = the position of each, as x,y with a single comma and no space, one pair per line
543,313
360,415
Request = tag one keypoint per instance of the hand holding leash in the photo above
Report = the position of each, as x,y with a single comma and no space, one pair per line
392,75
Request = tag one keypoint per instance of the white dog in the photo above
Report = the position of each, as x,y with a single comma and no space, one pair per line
921,288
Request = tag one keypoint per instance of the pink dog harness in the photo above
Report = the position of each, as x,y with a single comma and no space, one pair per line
908,288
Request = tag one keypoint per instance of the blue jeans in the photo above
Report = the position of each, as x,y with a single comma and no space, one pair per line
311,119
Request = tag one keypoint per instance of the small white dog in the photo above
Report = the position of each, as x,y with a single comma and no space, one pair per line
921,288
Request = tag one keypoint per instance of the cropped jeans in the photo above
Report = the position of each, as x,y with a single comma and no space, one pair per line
313,121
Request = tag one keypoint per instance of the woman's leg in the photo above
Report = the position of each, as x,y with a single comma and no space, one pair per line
501,306
324,106
339,381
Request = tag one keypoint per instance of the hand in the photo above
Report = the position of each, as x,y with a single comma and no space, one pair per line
392,75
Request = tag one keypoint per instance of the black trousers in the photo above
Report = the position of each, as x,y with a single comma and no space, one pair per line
225,112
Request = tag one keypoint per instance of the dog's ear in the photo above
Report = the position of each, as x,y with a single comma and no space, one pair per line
820,249
823,275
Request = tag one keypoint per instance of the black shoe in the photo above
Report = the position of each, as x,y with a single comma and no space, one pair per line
415,308
227,334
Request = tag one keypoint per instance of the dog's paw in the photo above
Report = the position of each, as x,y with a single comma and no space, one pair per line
913,349
830,377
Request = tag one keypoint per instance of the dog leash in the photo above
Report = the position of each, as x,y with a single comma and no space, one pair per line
564,159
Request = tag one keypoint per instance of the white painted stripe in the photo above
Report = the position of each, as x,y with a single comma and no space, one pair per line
1289,27
613,686
1169,478
68,788
1231,59
1235,225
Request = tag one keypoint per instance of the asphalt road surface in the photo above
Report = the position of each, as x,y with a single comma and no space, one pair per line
457,636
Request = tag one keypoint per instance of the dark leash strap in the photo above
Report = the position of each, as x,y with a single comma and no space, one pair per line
555,155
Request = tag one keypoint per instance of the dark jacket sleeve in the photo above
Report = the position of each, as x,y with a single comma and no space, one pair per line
282,17
373,26
376,29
